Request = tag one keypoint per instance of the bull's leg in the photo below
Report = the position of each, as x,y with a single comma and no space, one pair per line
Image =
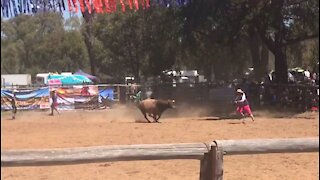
145,116
157,119
154,117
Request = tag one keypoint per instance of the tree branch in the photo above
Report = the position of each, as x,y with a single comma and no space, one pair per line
267,40
294,3
202,33
300,39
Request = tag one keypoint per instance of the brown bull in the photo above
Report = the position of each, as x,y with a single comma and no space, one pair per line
154,108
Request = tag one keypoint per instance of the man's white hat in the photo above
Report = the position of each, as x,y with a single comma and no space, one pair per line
239,91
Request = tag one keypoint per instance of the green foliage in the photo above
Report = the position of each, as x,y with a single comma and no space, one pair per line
40,43
277,23
138,43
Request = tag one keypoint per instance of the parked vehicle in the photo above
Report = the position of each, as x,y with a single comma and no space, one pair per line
15,80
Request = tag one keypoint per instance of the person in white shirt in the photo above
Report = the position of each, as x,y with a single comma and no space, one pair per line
243,104
307,74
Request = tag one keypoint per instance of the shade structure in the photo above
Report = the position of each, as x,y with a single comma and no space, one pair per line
71,79
89,76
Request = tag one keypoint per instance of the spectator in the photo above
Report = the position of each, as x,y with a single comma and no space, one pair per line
14,104
54,103
291,78
307,74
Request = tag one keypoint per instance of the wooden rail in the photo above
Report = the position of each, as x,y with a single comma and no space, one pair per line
211,167
262,146
102,154
153,151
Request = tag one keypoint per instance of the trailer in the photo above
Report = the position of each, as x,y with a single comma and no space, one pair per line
15,80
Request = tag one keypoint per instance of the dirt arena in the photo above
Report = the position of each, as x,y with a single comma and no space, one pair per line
119,126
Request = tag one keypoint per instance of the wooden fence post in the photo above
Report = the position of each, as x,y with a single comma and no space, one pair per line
118,93
213,162
219,164
211,165
205,167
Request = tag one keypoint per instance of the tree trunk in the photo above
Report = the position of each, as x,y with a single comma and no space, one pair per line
208,71
89,39
264,58
137,74
259,54
276,45
281,67
256,58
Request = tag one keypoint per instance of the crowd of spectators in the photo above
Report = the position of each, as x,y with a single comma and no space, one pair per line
301,94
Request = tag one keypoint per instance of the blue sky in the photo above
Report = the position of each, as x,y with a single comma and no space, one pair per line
66,14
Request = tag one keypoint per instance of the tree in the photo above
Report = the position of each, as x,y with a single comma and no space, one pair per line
218,48
286,23
278,23
89,37
40,43
138,43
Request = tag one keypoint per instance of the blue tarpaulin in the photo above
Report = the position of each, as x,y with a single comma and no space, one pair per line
27,94
26,99
106,93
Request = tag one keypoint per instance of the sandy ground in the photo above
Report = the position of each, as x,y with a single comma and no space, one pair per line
119,126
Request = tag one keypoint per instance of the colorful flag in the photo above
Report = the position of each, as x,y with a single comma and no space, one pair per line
136,4
75,5
10,8
88,4
123,7
82,5
130,4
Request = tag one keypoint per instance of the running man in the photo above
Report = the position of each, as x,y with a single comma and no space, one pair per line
243,105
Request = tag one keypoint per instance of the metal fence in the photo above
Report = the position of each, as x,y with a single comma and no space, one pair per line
261,96
292,97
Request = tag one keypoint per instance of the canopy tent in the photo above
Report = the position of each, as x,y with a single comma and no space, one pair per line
89,76
70,79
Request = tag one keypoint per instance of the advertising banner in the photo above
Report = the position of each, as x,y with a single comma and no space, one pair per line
26,99
65,98
85,96
77,97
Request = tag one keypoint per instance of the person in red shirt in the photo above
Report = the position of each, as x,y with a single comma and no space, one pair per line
85,91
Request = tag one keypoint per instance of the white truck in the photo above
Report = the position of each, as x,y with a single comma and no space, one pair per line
42,78
15,80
